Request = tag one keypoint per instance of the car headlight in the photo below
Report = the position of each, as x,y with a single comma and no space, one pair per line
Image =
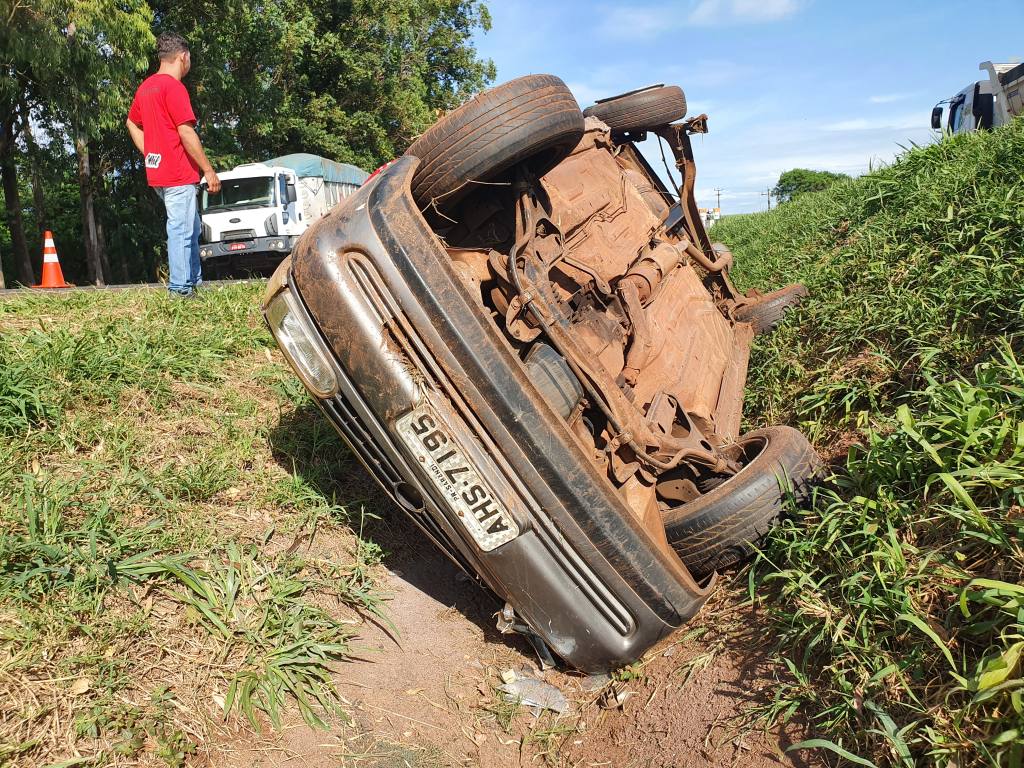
302,349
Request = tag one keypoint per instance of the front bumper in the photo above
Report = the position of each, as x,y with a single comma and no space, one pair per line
241,249
376,289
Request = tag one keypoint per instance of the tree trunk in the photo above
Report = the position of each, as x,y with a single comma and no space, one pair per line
89,234
122,263
101,241
39,202
12,201
38,194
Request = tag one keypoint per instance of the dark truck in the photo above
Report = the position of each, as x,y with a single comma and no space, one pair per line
530,342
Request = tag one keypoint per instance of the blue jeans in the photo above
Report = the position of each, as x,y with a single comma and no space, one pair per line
183,227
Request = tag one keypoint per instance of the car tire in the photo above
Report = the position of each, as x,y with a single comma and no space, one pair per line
768,311
650,108
531,118
720,527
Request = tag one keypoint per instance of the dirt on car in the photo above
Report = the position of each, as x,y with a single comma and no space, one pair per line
532,344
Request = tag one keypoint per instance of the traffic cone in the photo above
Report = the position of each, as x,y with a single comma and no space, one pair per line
52,276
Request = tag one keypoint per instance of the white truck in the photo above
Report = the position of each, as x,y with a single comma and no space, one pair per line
986,103
262,208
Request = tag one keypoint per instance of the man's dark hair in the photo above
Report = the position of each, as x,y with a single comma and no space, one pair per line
169,45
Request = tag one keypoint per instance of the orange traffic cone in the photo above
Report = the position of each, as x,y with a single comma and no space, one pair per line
52,276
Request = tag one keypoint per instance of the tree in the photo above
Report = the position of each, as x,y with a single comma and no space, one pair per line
355,80
801,180
27,55
12,198
70,64
108,45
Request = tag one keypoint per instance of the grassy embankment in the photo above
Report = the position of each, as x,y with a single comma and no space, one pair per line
898,601
171,546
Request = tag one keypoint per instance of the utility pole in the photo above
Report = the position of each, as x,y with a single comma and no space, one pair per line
718,193
768,193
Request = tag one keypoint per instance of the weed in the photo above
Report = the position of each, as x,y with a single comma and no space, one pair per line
138,494
634,671
549,734
896,599
504,709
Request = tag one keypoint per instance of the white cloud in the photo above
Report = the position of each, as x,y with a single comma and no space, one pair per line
709,12
902,122
706,74
694,108
853,162
645,21
750,155
756,130
888,98
699,80
587,94
635,22
853,124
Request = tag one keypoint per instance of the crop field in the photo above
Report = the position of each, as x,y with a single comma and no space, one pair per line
898,601
184,556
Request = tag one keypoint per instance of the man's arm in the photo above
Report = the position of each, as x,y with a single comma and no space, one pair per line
194,147
136,134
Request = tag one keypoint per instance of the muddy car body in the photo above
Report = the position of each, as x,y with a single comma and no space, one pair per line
535,349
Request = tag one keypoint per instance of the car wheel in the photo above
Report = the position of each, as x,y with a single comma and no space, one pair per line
718,528
531,118
768,311
650,108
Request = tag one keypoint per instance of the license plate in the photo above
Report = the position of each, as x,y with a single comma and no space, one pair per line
487,520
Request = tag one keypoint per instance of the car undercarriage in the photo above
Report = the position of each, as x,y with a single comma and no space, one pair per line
596,276
529,340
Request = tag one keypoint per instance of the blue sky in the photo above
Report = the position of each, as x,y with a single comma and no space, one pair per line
824,84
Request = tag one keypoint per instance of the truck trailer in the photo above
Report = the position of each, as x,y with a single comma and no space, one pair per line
263,208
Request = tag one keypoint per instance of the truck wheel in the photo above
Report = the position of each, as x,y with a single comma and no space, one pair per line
531,118
717,529
649,108
769,309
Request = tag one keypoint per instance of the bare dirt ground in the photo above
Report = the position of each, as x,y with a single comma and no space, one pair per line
423,693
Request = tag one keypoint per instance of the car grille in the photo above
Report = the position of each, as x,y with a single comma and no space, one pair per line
238,234
359,438
390,316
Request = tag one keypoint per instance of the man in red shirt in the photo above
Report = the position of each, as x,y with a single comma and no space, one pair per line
162,126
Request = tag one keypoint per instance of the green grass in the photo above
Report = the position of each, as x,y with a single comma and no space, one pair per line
173,548
897,600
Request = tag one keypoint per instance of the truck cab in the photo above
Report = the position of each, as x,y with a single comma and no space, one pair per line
984,104
263,208
970,110
254,219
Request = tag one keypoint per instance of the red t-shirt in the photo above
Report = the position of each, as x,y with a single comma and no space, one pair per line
161,104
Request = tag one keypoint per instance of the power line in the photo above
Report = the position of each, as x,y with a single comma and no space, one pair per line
768,193
718,193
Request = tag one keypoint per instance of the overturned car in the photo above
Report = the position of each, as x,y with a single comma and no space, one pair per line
533,346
